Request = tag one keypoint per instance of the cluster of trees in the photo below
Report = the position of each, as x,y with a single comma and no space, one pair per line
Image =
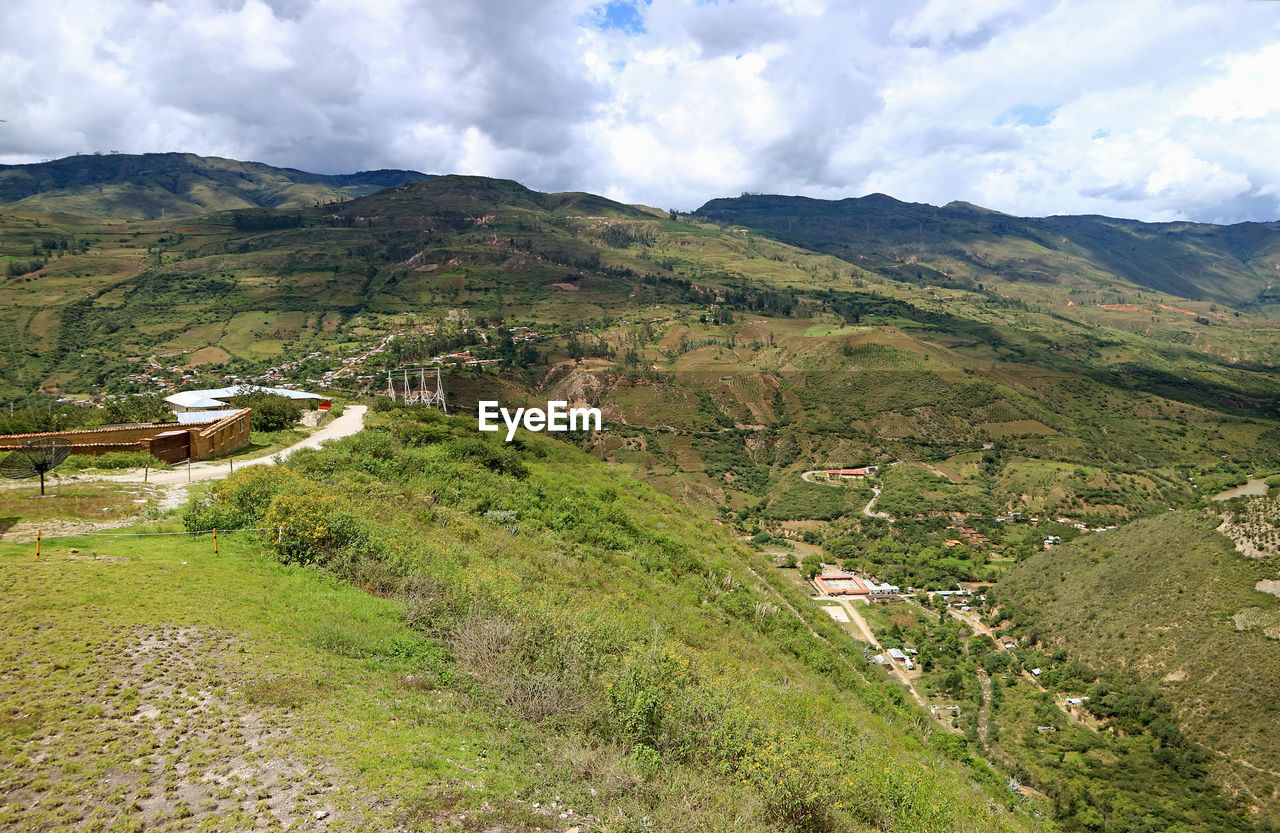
271,411
38,412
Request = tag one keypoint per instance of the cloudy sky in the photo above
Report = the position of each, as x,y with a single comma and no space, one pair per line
1153,109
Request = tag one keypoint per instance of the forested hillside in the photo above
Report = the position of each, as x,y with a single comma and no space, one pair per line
1170,600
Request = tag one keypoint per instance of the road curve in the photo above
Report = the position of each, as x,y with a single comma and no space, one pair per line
351,421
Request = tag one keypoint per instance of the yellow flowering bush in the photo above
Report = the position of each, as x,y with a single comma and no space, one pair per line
241,500
302,524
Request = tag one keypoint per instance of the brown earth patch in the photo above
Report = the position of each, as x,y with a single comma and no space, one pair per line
207,355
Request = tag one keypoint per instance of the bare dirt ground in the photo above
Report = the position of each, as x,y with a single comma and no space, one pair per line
193,758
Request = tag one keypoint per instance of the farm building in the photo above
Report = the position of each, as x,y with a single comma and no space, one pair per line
851,474
841,584
875,589
221,399
198,437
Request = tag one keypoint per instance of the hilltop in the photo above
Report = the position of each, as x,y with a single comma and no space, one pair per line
541,643
152,185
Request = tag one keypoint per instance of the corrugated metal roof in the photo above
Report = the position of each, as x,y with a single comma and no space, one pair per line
211,397
201,417
194,399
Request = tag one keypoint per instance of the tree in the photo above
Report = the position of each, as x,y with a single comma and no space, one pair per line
271,411
143,408
811,565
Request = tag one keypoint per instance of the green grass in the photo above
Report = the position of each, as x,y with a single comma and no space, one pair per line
70,501
98,723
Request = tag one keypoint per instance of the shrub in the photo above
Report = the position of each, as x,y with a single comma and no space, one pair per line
312,526
114,460
241,500
811,565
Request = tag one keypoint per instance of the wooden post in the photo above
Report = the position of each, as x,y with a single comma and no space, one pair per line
279,534
146,470
39,533
215,543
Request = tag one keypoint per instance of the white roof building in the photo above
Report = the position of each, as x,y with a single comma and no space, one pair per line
200,417
215,398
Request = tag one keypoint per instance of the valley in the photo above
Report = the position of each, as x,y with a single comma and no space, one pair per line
1019,424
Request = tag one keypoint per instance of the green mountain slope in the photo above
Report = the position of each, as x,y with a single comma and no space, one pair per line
727,362
565,635
961,243
986,365
1172,600
152,185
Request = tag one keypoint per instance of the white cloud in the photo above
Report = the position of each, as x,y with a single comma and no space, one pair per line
1152,108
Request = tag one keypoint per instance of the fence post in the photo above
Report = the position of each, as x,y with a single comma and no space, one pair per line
215,543
39,533
279,534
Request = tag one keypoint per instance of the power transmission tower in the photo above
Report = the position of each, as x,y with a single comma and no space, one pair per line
437,398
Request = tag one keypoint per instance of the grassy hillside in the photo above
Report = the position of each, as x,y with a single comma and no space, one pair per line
173,185
545,644
1170,599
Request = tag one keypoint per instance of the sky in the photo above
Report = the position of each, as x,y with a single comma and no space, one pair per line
1147,109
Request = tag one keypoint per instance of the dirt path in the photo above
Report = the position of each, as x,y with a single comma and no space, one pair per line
869,509
351,421
984,713
856,617
973,622
772,591
169,488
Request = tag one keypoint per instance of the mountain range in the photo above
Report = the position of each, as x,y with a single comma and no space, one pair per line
1040,399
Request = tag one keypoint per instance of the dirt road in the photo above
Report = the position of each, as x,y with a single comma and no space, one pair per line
869,509
167,490
351,421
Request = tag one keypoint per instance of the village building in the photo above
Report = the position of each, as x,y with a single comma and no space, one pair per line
841,584
221,399
200,436
851,474
881,591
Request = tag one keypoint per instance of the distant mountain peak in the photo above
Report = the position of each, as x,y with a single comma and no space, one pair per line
151,185
961,205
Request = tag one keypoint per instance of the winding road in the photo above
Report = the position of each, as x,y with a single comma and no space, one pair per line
868,510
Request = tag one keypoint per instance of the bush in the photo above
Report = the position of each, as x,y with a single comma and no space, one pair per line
312,526
241,500
114,460
811,565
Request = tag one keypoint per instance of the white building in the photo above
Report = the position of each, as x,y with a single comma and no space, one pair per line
215,399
